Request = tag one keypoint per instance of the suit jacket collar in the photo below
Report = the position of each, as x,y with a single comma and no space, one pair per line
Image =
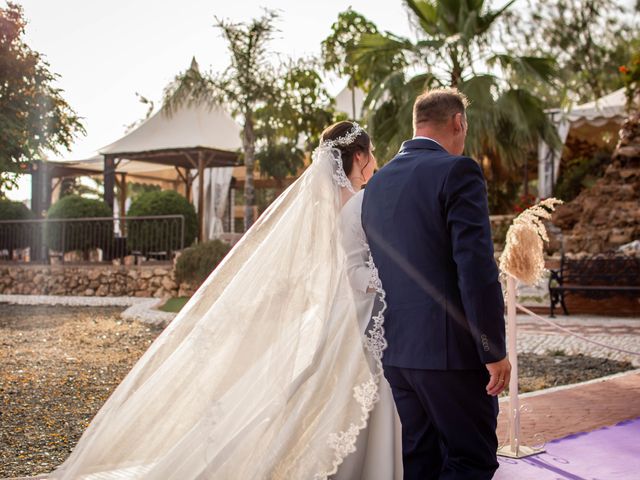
421,144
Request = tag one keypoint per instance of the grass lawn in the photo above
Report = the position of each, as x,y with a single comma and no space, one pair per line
174,304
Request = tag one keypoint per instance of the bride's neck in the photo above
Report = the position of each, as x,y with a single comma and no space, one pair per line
356,183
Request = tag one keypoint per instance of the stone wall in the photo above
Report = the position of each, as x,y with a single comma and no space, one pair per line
607,215
91,280
95,280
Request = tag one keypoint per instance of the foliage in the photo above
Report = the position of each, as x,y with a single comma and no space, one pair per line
76,186
580,173
153,235
502,195
631,77
278,106
174,305
588,38
524,202
292,122
346,33
134,189
16,236
196,263
455,48
10,210
150,106
34,116
68,236
247,84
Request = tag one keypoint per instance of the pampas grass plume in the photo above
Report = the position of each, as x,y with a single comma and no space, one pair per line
523,252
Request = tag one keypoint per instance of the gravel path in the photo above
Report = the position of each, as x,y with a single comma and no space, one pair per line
59,365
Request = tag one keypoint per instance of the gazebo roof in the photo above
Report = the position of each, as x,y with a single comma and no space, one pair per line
178,139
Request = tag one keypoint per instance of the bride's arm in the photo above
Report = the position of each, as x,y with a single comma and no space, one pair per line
357,253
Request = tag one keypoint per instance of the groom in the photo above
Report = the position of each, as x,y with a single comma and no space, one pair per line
426,219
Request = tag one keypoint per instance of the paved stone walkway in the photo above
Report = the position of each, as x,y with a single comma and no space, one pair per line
535,336
556,413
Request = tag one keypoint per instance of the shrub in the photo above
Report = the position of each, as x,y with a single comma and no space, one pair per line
10,210
197,262
580,173
67,236
155,236
16,235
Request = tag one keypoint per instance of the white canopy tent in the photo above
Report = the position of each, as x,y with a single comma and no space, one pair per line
195,142
203,141
596,122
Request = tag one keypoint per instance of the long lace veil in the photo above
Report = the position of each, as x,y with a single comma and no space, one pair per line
263,373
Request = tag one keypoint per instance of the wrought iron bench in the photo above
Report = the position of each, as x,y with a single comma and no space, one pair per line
599,276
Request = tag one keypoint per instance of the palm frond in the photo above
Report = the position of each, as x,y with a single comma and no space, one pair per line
426,12
191,87
544,69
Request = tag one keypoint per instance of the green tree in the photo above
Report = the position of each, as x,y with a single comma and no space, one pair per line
589,39
289,126
346,33
33,115
282,107
246,85
455,47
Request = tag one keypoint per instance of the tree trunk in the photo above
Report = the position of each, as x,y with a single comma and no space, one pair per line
249,146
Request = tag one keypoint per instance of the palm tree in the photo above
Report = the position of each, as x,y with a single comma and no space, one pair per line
245,86
455,47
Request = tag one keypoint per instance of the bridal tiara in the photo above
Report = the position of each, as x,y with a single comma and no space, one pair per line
328,149
346,139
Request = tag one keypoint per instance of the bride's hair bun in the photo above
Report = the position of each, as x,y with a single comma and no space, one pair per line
361,142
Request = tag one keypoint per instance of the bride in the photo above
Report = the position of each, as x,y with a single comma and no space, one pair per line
272,370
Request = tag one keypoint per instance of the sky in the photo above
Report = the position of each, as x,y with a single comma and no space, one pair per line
105,52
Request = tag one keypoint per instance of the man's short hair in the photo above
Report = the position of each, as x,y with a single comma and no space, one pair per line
438,105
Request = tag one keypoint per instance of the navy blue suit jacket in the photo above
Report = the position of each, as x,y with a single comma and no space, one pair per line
426,219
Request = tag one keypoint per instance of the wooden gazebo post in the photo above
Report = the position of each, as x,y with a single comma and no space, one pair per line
109,180
200,197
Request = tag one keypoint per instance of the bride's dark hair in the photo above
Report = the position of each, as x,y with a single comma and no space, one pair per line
362,143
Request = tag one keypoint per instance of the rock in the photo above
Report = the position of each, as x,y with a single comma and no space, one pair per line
103,291
169,284
607,215
161,272
94,274
89,292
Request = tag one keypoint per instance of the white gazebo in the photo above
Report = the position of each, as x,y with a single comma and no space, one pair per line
194,143
198,142
597,122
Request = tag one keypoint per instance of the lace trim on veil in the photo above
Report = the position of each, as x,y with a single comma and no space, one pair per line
366,394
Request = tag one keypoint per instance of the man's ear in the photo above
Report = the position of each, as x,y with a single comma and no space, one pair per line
458,123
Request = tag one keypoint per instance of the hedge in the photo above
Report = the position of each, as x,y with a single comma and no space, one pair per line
196,263
155,236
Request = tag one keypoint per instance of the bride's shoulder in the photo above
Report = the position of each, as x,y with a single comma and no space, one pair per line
352,209
355,202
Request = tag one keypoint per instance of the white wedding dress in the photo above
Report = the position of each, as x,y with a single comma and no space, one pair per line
265,373
378,454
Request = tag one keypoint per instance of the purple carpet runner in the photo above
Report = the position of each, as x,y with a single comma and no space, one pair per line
610,453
